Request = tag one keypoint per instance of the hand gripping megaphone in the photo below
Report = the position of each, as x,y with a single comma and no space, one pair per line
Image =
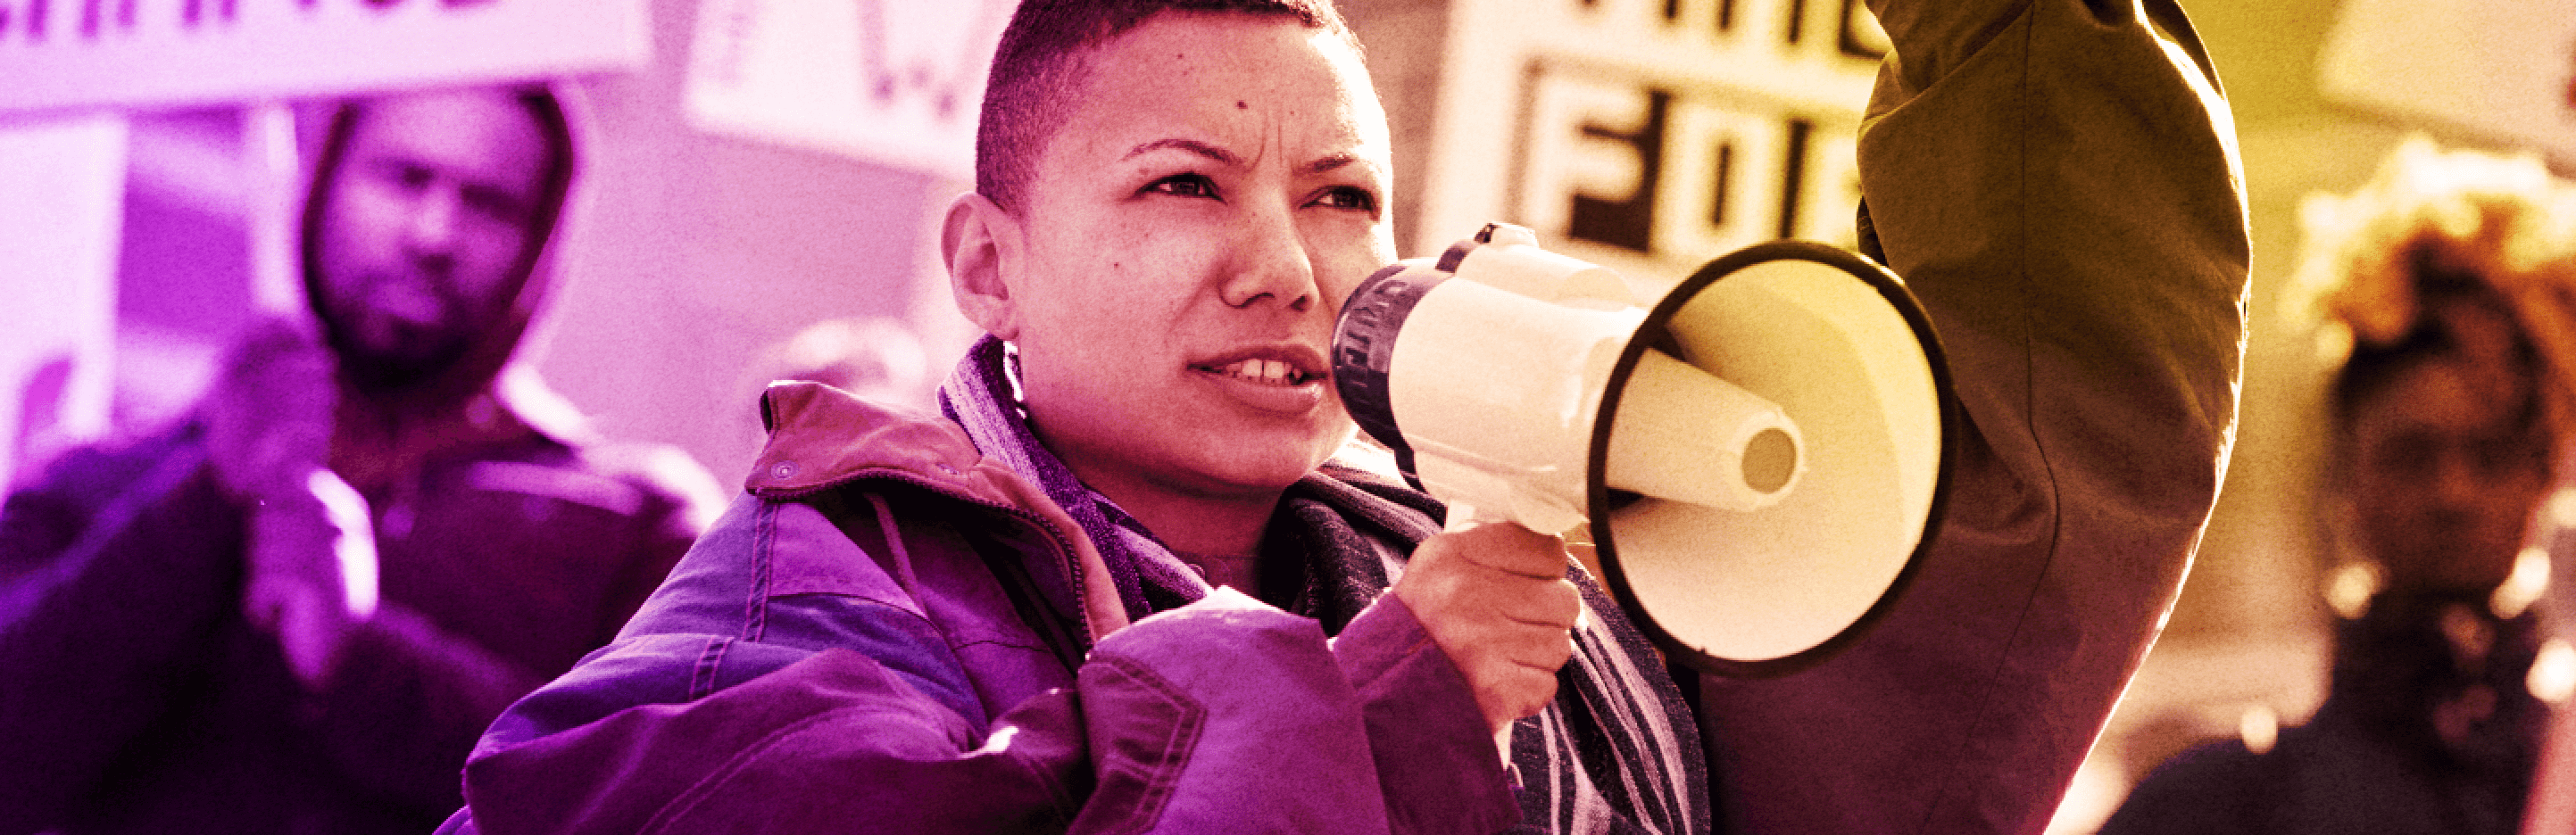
1760,452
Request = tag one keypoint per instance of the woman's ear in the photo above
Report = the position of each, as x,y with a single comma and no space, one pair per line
982,245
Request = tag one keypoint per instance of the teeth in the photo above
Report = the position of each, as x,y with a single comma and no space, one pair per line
1272,372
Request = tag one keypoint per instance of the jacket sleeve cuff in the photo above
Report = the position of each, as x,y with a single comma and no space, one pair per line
1436,760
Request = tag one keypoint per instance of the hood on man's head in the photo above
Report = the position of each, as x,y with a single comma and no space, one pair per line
556,112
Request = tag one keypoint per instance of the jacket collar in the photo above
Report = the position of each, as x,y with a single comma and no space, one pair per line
822,437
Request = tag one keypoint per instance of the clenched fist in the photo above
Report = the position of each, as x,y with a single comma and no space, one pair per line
1495,598
268,415
310,574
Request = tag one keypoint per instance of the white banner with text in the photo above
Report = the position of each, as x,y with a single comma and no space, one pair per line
89,53
892,81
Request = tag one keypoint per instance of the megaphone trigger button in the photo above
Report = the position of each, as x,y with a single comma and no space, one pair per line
1506,233
1456,254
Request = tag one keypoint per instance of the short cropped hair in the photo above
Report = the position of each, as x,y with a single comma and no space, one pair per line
1039,69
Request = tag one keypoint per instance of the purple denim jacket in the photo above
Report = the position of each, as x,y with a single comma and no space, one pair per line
893,633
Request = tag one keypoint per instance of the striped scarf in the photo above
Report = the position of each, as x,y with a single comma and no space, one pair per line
1617,752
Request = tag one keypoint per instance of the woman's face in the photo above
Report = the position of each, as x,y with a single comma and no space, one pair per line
1195,226
2446,469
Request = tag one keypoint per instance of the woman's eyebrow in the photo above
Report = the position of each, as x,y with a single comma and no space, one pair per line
1328,162
1191,145
1332,161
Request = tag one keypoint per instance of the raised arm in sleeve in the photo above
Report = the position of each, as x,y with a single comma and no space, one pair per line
2057,180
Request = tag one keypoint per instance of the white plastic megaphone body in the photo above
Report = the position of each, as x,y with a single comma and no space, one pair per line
1759,451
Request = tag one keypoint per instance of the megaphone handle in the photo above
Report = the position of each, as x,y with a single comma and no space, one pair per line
1578,540
1462,515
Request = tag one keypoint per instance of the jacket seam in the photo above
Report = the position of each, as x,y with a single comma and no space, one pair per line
1163,776
698,792
1063,805
755,614
1984,704
891,532
702,679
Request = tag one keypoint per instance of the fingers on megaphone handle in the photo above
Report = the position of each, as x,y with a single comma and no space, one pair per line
1511,547
1563,610
1496,601
1534,596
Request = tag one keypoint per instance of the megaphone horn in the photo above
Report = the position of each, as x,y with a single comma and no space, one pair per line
1760,455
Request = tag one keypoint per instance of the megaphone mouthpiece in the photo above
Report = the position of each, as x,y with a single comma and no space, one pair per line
1681,433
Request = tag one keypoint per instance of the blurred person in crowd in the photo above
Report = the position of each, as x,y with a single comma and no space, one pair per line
2440,448
1095,594
878,360
295,611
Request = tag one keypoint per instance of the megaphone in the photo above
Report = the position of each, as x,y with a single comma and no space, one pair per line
1761,452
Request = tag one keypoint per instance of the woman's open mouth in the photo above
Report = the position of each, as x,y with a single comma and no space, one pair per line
1265,372
1280,379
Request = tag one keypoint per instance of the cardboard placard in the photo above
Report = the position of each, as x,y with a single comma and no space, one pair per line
57,333
2495,72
